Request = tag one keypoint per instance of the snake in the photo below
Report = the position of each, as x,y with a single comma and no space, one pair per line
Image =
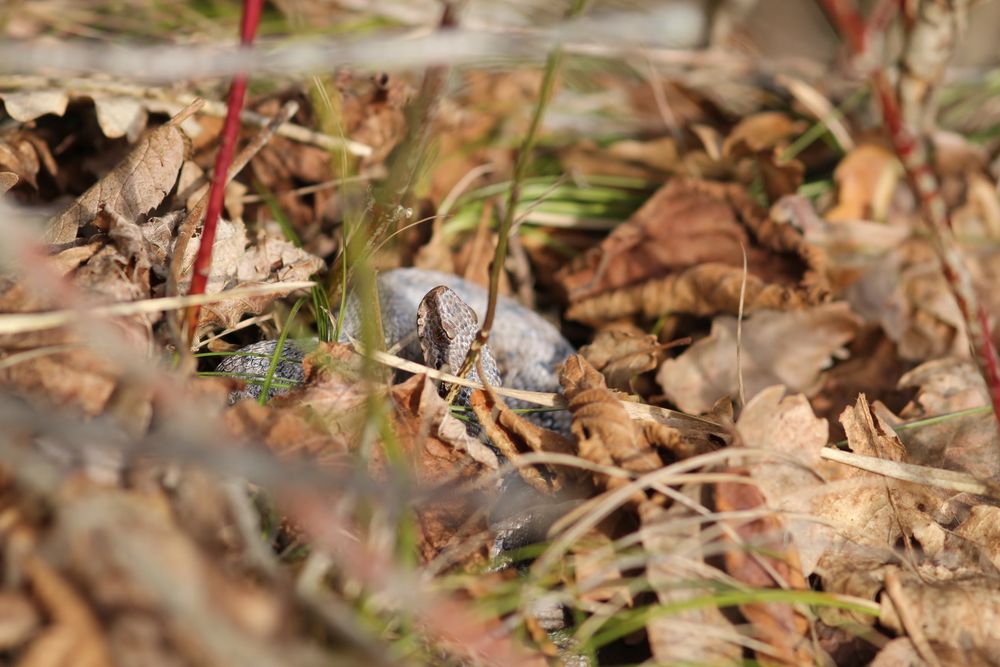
433,317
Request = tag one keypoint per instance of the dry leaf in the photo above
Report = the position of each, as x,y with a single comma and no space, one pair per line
763,137
24,154
966,443
271,258
19,620
686,226
603,430
134,187
703,290
8,180
676,572
790,348
962,615
454,512
70,373
75,634
29,105
866,180
791,481
764,557
620,355
906,293
120,116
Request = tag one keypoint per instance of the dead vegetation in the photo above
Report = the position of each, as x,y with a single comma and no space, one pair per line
778,267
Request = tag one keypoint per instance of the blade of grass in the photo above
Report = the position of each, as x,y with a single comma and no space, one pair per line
551,72
278,350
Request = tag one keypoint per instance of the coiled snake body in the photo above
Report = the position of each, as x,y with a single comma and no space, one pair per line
524,349
434,316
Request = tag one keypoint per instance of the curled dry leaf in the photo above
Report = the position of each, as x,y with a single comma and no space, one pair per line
134,187
603,430
790,348
24,154
906,293
762,556
483,406
688,225
271,258
621,354
701,290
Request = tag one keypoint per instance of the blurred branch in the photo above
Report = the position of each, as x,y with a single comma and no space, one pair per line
673,26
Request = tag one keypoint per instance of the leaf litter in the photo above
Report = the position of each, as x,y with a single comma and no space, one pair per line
147,521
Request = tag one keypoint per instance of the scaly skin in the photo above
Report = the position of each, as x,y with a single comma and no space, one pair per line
526,347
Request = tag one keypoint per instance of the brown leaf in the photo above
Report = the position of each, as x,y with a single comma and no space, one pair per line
763,557
270,259
129,554
595,560
760,132
19,620
484,407
24,154
603,430
701,635
866,180
967,443
444,457
687,225
789,348
787,426
960,615
647,160
8,179
620,355
71,373
75,635
120,116
704,291
906,293
138,184
29,105
868,435
762,137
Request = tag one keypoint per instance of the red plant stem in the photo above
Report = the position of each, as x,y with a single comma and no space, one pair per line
849,23
912,151
230,133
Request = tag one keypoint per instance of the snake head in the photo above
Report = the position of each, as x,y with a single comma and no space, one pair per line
446,326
